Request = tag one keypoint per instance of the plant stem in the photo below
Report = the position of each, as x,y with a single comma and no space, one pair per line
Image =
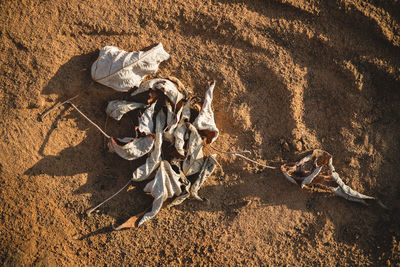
239,154
119,191
56,106
89,120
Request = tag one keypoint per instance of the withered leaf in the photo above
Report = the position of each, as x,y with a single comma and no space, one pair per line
117,108
207,169
164,185
321,172
160,121
152,162
132,222
205,120
146,124
172,123
121,70
180,130
134,149
166,86
194,156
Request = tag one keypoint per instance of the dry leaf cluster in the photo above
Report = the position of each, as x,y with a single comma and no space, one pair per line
172,130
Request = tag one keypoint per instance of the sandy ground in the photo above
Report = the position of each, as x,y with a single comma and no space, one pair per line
291,76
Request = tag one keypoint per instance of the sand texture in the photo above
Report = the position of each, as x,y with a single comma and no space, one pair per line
291,76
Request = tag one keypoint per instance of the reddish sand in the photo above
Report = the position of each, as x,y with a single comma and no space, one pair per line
291,76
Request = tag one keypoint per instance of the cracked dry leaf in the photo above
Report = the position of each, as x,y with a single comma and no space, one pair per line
194,157
205,122
164,185
206,170
152,162
180,130
166,86
133,149
122,71
117,108
317,169
146,124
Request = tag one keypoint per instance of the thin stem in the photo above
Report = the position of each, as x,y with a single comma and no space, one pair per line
119,191
239,154
56,106
89,120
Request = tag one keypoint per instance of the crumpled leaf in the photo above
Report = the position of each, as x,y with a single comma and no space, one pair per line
166,86
180,130
322,173
146,124
205,122
117,108
152,162
160,121
194,157
164,185
121,70
133,149
206,170
172,122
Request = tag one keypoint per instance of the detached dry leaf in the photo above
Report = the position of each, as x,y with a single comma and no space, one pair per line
172,122
180,130
322,173
121,70
146,124
194,156
166,86
165,185
117,108
152,162
207,169
133,149
205,121
132,222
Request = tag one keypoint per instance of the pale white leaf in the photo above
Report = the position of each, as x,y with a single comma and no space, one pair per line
122,71
180,130
146,124
152,162
207,169
165,185
160,121
134,149
117,108
194,156
205,120
345,191
166,86
172,123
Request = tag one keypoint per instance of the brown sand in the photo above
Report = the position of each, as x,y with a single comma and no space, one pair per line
291,76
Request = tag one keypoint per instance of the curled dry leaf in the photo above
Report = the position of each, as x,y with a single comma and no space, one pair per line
121,70
152,162
206,170
194,156
164,185
160,121
133,149
205,122
146,124
180,130
117,108
172,122
317,169
166,86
